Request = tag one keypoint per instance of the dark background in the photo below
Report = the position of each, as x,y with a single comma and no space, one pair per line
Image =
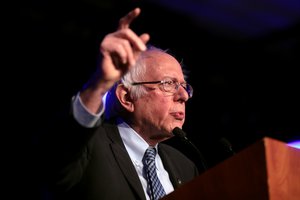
243,57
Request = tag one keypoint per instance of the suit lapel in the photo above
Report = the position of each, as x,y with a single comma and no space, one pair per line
169,166
124,161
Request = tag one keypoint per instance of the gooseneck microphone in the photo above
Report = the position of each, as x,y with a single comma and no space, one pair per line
227,146
178,132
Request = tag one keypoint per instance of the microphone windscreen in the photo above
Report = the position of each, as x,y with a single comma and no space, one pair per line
179,132
227,145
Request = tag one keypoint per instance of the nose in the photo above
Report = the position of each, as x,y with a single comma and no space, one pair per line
182,94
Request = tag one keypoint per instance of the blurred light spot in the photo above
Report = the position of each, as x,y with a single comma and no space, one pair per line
295,144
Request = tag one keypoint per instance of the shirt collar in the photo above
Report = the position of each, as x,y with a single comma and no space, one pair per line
134,143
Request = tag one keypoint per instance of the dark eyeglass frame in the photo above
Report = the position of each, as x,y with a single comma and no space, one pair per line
188,88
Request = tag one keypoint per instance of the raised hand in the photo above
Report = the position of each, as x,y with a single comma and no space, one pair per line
120,49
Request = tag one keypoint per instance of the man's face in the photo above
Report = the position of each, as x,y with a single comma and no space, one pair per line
159,112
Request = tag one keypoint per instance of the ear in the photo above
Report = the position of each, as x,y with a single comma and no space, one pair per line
124,98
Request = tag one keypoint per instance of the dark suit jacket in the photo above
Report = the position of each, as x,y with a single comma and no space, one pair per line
93,164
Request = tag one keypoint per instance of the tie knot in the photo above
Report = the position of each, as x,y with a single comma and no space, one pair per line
150,154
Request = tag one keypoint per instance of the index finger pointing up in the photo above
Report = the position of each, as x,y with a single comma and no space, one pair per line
127,19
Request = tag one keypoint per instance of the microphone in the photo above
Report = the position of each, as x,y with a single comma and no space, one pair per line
182,135
227,146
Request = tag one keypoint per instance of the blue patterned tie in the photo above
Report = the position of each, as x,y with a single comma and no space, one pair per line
154,188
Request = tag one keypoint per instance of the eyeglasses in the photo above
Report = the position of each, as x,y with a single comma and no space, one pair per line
169,85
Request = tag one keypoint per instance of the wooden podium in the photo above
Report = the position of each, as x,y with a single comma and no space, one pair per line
266,170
